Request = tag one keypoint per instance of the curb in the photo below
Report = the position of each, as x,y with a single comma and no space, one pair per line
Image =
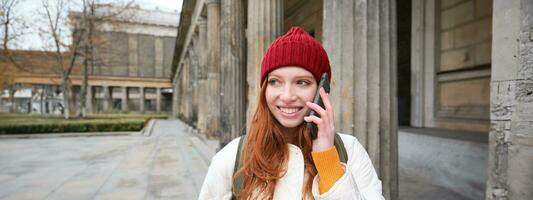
206,147
147,130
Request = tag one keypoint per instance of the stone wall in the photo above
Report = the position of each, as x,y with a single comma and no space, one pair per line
465,34
464,59
146,55
450,64
511,137
136,55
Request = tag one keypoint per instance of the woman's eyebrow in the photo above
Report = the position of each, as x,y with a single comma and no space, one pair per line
273,76
304,76
295,77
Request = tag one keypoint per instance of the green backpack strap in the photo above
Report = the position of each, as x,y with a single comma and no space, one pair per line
238,183
339,145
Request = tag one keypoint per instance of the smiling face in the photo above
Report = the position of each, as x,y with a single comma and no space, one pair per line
288,88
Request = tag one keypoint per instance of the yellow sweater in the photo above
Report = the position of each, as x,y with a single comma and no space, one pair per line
329,168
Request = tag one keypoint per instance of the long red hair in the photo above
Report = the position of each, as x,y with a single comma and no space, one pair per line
265,154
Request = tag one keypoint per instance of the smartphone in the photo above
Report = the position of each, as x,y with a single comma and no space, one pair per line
324,83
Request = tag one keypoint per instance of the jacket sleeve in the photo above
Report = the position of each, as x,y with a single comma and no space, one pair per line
218,180
360,180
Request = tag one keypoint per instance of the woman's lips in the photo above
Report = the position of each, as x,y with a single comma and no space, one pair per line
289,111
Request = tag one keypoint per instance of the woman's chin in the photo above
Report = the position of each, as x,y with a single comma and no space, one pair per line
291,123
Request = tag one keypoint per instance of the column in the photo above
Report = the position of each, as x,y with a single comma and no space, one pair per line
175,97
178,103
125,99
202,75
213,63
186,95
510,137
265,23
141,99
158,100
182,87
107,98
360,38
233,70
89,99
193,80
423,63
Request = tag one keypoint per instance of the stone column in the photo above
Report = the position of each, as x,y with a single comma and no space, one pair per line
265,23
423,63
213,63
125,99
233,70
107,98
89,100
193,80
181,88
185,95
202,75
177,93
158,100
175,97
360,38
141,99
510,172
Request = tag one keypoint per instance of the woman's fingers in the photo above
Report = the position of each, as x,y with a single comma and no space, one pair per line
319,110
327,103
324,122
314,119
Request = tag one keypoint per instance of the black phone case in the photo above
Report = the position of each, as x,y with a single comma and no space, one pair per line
324,82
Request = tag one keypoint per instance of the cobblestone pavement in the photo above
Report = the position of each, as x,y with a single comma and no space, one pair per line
164,165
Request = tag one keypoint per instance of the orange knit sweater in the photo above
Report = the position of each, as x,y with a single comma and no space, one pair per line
329,168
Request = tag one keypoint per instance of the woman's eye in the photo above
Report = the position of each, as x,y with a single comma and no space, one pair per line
274,82
303,82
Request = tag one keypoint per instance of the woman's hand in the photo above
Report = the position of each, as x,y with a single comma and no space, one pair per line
325,123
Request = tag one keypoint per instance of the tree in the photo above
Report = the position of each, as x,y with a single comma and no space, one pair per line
56,30
88,22
13,27
72,44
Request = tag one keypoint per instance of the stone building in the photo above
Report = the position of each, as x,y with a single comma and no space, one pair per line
437,91
130,71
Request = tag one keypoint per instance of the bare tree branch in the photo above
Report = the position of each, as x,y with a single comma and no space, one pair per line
10,32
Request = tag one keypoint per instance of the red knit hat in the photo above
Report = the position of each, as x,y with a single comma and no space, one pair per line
296,48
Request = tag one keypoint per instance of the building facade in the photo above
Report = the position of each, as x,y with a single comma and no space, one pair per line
454,76
130,71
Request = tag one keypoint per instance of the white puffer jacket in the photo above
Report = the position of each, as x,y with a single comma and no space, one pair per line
359,181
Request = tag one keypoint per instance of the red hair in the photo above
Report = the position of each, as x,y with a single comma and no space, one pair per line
265,154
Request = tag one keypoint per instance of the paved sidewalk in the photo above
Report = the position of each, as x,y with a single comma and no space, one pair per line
167,162
164,165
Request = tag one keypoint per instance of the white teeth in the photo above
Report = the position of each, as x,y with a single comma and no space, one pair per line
289,110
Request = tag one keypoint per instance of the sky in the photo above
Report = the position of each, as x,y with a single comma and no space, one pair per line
28,11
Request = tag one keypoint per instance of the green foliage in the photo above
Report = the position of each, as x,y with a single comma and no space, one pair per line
25,124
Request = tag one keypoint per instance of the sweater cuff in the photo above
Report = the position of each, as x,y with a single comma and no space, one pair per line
329,168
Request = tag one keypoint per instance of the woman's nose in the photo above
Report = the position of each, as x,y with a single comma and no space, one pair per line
287,94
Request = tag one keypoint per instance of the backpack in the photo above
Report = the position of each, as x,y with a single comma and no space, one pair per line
238,184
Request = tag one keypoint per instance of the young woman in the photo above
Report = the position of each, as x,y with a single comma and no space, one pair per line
279,160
